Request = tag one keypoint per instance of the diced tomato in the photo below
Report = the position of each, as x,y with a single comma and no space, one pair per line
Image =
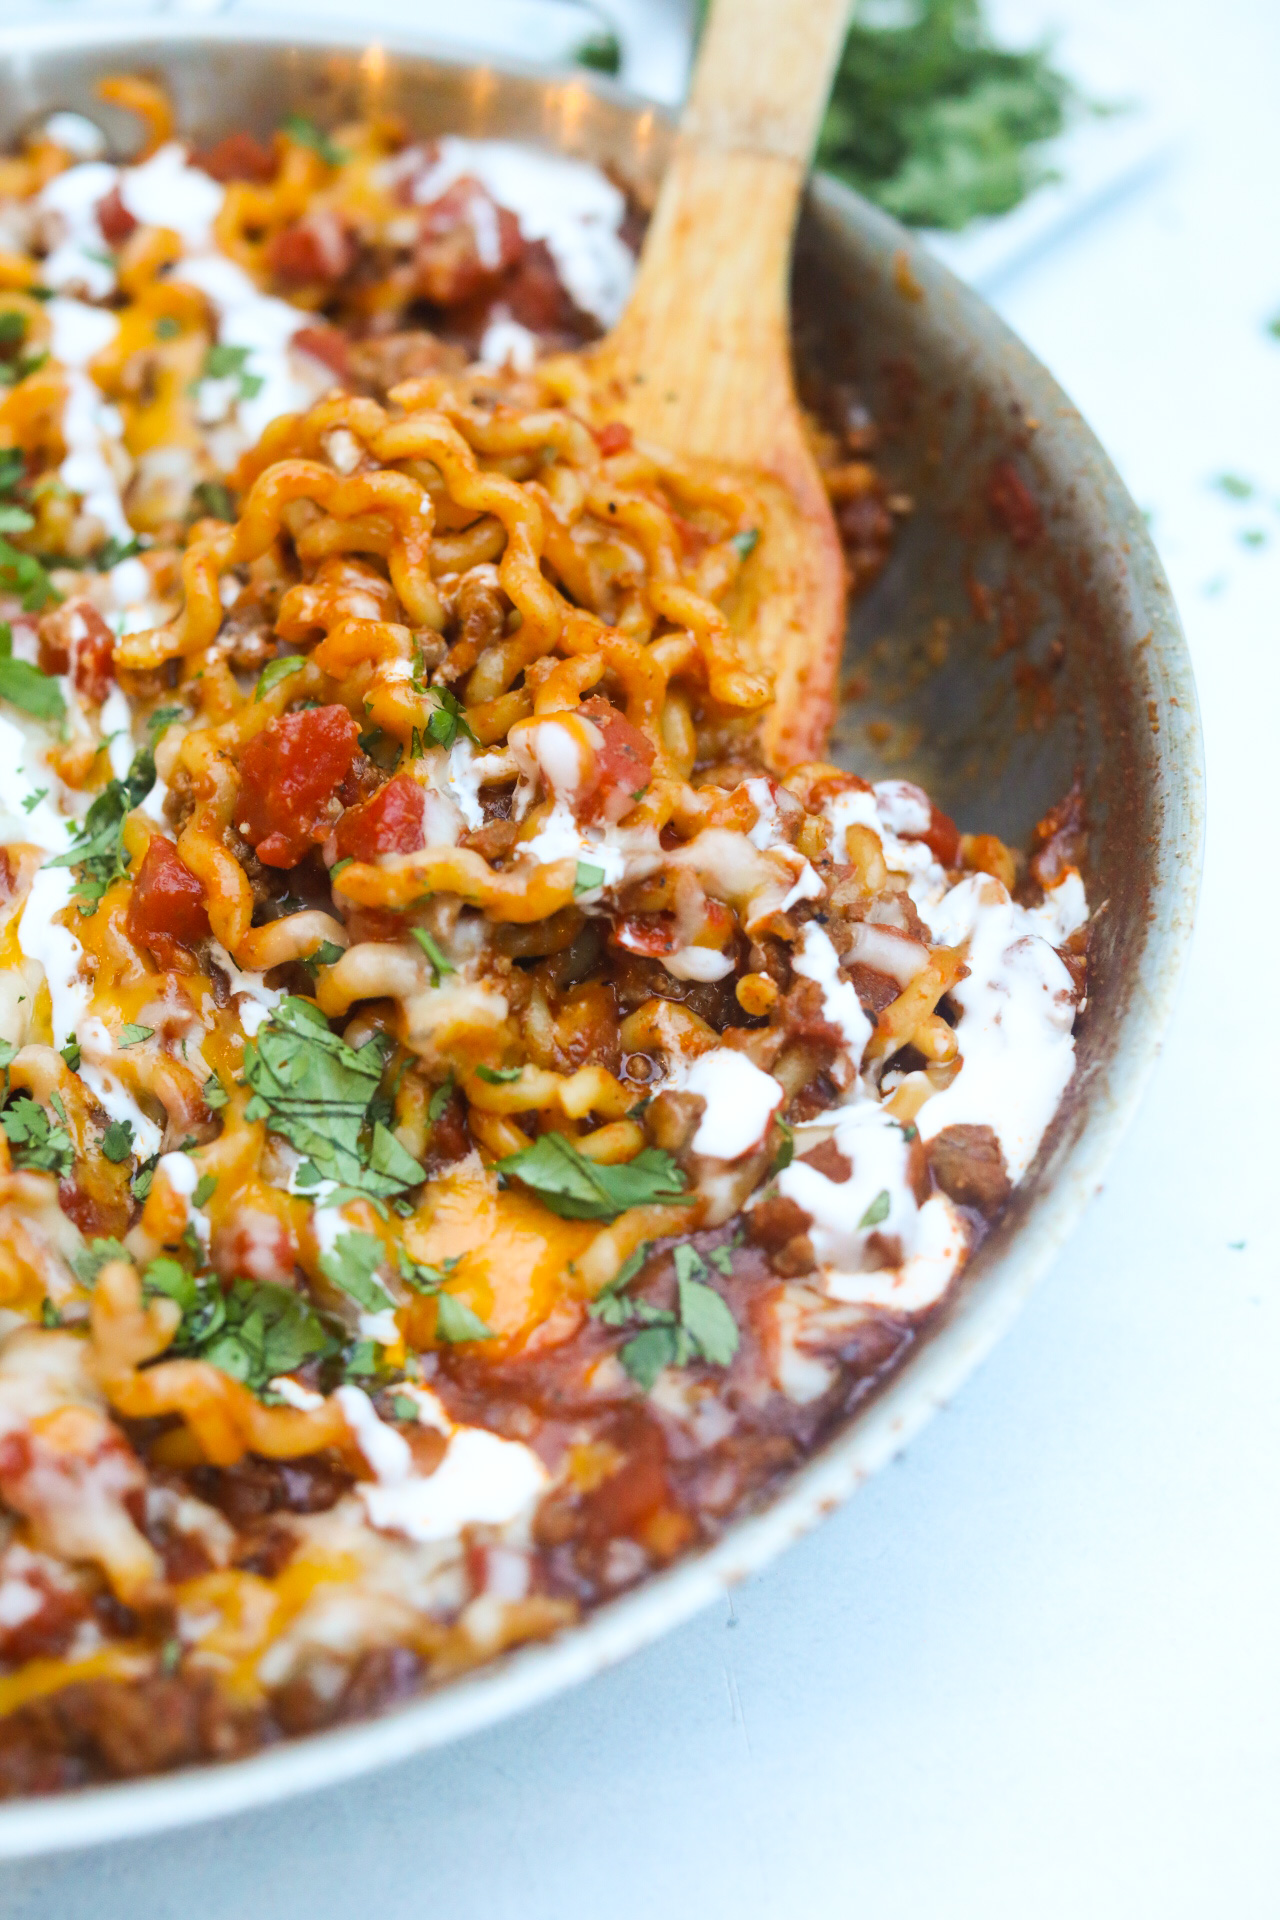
391,822
238,157
167,912
114,218
1013,504
289,778
615,438
534,295
624,764
329,346
465,242
652,934
943,837
75,639
321,246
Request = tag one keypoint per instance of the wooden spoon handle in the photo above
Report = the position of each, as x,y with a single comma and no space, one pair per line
703,347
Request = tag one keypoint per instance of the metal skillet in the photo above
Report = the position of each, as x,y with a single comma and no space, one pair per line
1000,653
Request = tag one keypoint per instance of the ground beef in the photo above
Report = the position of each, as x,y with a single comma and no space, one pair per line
968,1165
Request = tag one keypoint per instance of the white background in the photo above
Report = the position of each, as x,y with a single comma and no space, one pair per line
1032,1670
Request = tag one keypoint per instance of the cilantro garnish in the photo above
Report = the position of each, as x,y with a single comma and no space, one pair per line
446,722
440,961
35,1141
277,670
746,542
308,134
71,1054
214,1093
317,1092
162,719
88,1263
24,686
580,1189
253,1331
206,1187
167,328
114,550
351,1264
499,1076
132,1035
876,1212
787,1150
455,1320
214,499
327,954
140,1181
587,878
439,1100
721,1259
33,800
700,1328
228,363
98,853
22,573
117,1142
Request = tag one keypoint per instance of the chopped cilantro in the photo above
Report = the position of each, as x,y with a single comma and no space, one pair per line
13,327
499,1076
228,363
22,574
787,1150
114,550
34,1141
403,1407
206,1187
446,722
24,686
308,134
587,878
316,1091
381,749
701,1327
253,1331
746,542
601,51
167,328
49,1315
439,1100
440,962
327,954
351,1264
214,1093
15,519
340,866
455,1320
71,1054
277,670
131,1034
1234,486
161,720
581,1189
721,1259
98,852
214,499
876,1212
140,1183
117,1142
88,1263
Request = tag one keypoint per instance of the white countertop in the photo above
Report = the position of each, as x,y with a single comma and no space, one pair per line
1032,1670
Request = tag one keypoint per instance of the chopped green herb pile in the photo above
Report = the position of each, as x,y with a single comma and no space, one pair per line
700,1328
580,1189
937,124
308,134
253,1331
317,1092
36,1142
98,854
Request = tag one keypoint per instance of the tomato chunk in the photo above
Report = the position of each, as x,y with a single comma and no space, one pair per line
624,764
167,912
465,241
114,218
289,779
238,157
320,246
329,346
390,822
943,837
75,639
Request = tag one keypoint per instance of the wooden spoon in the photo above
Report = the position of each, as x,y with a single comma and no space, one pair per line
700,361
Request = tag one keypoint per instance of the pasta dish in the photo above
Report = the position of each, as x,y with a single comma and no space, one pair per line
471,1126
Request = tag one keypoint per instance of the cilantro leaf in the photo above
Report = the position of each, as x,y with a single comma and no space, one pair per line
787,1151
327,954
88,1263
746,542
24,686
456,1322
277,670
708,1322
140,1181
580,1189
253,1331
114,550
440,961
876,1212
132,1035
117,1142
316,1092
71,1054
439,1101
448,719
722,1260
648,1353
308,134
214,1093
35,1141
206,1187
22,573
214,499
351,1264
98,852
499,1076
587,878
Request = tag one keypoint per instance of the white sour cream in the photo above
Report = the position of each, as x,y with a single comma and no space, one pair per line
741,1101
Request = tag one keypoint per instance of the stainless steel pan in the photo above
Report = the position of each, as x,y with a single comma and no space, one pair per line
1081,665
